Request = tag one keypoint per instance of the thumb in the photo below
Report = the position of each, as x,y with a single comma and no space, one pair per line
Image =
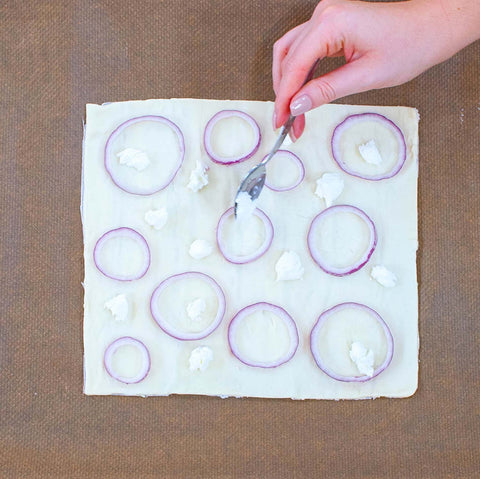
353,77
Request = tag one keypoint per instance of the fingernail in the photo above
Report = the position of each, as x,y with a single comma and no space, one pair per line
292,136
274,121
301,105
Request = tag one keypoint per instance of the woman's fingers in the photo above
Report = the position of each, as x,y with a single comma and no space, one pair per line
353,77
280,51
312,44
297,127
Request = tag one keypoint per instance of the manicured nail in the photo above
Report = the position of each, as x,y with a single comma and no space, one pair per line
292,136
301,105
274,121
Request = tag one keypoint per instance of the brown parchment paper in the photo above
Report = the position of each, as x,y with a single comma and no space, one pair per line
55,56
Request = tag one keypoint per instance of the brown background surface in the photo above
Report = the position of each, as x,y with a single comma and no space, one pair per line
55,56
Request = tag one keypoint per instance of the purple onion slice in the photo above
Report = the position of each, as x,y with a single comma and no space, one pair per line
237,259
167,326
145,360
101,249
352,120
316,227
295,181
235,324
317,354
151,180
207,137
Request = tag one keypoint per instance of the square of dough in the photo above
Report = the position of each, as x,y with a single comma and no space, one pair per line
391,204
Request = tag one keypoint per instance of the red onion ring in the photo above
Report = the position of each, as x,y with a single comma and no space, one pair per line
354,119
225,160
119,233
316,354
109,157
167,327
298,162
253,256
277,311
316,255
112,349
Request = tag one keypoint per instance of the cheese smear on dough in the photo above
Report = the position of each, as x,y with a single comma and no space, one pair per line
133,158
363,358
157,218
383,276
289,267
200,358
329,187
369,152
196,308
198,177
200,249
118,306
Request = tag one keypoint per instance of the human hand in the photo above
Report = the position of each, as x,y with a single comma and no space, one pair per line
384,45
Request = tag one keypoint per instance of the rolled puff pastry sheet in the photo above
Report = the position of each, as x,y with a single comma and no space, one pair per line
390,203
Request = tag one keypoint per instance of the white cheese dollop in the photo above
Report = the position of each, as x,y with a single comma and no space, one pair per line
134,158
383,276
363,358
200,358
289,267
157,218
245,206
370,153
198,177
200,249
329,187
196,308
118,306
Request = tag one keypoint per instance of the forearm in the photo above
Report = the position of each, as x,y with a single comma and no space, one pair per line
457,21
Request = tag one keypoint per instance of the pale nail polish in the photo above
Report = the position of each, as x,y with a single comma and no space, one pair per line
292,136
301,105
274,121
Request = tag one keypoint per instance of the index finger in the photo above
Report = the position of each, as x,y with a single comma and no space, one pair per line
296,66
280,50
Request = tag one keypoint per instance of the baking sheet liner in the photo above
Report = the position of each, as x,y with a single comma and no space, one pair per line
57,56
